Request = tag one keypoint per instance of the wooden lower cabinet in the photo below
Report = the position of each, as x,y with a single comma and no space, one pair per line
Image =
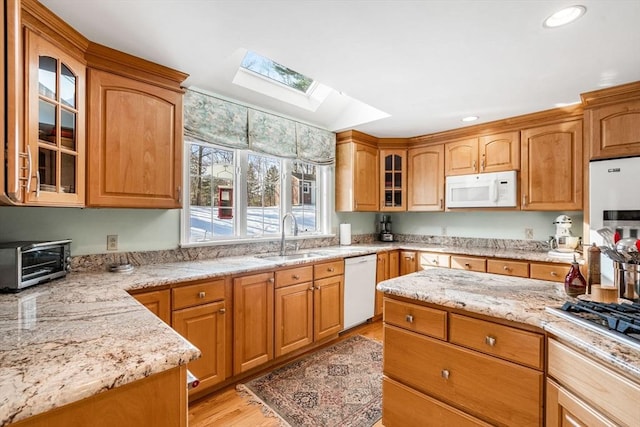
469,263
159,400
328,307
204,327
253,312
508,268
459,370
158,302
584,392
424,411
293,317
408,262
548,271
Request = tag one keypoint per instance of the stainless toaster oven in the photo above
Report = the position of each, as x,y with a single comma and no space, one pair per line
24,264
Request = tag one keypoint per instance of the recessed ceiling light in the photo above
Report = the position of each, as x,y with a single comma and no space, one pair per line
470,119
564,16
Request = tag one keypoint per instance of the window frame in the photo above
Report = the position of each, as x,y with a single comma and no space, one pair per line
323,208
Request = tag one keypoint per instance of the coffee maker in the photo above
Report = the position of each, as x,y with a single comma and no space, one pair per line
385,229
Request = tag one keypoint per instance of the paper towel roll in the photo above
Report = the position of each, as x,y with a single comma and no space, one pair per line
345,234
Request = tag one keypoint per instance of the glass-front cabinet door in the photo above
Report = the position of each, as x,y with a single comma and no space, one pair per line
55,94
393,170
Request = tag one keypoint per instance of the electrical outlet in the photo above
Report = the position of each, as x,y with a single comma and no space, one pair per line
528,233
112,242
443,231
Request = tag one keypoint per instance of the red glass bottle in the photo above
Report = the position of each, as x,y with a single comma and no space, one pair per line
574,283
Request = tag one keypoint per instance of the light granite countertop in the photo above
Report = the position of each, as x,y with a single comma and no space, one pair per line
77,336
516,299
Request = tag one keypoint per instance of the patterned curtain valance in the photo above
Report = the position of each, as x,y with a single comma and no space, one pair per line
315,145
271,134
225,123
216,121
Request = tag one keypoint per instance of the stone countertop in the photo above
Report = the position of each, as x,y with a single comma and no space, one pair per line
515,299
77,336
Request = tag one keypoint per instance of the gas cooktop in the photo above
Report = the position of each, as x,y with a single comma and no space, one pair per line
618,321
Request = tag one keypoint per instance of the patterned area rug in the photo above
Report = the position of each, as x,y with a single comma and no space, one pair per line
340,385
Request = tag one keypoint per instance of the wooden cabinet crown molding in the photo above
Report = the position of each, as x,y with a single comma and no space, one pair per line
48,25
356,136
625,92
107,59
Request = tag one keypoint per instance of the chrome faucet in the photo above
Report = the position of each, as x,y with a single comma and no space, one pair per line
295,231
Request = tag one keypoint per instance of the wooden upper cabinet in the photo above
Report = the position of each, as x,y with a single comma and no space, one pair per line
461,157
55,124
393,180
426,178
487,153
357,174
552,167
614,130
134,143
500,152
612,121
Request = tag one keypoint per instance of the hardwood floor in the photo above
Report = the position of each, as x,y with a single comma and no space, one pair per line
228,408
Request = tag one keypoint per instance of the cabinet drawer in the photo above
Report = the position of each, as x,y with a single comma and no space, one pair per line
614,395
417,318
509,268
293,276
494,390
425,411
551,272
328,269
469,263
497,340
196,294
428,259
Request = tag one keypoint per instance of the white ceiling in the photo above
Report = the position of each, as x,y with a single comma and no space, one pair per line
426,63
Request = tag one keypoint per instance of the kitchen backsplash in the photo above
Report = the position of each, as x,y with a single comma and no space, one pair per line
101,262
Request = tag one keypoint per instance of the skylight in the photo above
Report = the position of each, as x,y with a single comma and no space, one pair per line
270,69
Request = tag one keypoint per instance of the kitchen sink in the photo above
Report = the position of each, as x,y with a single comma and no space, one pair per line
291,257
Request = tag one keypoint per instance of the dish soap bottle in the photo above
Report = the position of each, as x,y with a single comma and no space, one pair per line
574,283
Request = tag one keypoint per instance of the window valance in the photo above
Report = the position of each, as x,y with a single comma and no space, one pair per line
225,123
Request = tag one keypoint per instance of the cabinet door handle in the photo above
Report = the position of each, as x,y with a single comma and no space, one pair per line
222,311
482,163
318,288
409,318
271,280
202,294
490,341
179,193
295,277
445,374
474,165
524,200
441,203
311,288
37,184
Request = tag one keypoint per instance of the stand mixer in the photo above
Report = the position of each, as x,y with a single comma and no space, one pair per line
563,244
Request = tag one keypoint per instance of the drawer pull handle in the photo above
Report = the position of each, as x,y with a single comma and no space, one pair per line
296,277
202,294
445,374
409,318
489,340
311,288
434,261
222,311
467,265
506,268
331,269
553,273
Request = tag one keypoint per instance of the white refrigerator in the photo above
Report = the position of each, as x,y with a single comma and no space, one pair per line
614,202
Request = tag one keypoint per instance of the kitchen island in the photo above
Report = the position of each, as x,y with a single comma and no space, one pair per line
452,321
77,337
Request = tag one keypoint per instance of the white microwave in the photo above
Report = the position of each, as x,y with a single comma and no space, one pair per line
485,190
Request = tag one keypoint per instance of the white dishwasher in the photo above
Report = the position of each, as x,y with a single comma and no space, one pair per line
359,289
